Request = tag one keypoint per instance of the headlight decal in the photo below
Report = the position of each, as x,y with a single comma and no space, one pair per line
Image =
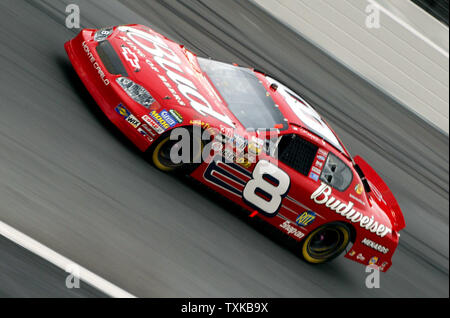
136,92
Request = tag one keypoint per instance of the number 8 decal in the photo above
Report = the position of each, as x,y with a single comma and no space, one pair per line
272,183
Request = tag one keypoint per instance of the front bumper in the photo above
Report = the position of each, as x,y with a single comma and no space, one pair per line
103,87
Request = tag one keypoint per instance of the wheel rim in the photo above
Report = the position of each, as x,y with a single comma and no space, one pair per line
161,155
325,243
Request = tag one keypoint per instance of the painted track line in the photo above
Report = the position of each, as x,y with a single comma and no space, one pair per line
410,28
62,262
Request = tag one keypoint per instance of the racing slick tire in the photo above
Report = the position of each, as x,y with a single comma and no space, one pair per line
160,155
325,243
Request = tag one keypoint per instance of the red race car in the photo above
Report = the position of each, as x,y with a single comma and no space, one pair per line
250,138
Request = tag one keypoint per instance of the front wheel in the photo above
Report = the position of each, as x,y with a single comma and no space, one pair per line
161,158
325,243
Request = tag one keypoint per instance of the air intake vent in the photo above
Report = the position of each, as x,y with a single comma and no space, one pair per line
111,59
297,153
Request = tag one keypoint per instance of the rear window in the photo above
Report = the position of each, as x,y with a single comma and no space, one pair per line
245,95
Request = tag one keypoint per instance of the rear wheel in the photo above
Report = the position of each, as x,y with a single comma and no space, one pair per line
325,243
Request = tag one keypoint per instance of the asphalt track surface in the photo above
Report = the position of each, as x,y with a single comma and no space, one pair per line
24,274
71,181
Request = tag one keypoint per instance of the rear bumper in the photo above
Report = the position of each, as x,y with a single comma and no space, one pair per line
102,85
369,250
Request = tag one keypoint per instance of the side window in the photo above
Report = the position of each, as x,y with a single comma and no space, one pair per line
297,153
336,173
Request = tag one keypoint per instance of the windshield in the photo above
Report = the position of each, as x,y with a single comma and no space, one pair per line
245,95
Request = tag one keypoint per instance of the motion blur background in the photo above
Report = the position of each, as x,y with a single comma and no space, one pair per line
69,180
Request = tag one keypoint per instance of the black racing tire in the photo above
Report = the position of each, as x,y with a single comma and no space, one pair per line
160,155
326,243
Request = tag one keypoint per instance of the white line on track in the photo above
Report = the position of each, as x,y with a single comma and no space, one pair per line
410,28
62,262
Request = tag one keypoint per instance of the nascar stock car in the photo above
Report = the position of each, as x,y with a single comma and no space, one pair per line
285,164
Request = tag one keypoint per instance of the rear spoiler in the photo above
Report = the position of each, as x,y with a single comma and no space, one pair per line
382,194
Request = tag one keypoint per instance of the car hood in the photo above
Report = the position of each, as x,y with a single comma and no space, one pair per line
170,73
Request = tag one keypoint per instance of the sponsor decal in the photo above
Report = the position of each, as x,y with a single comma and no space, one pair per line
373,260
198,122
377,247
131,58
241,142
291,230
142,132
314,176
133,121
322,152
316,170
153,124
232,140
306,218
322,195
125,113
258,141
318,165
168,118
122,111
244,162
176,115
360,257
157,117
383,265
352,253
95,64
173,65
148,130
145,134
359,188
255,145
